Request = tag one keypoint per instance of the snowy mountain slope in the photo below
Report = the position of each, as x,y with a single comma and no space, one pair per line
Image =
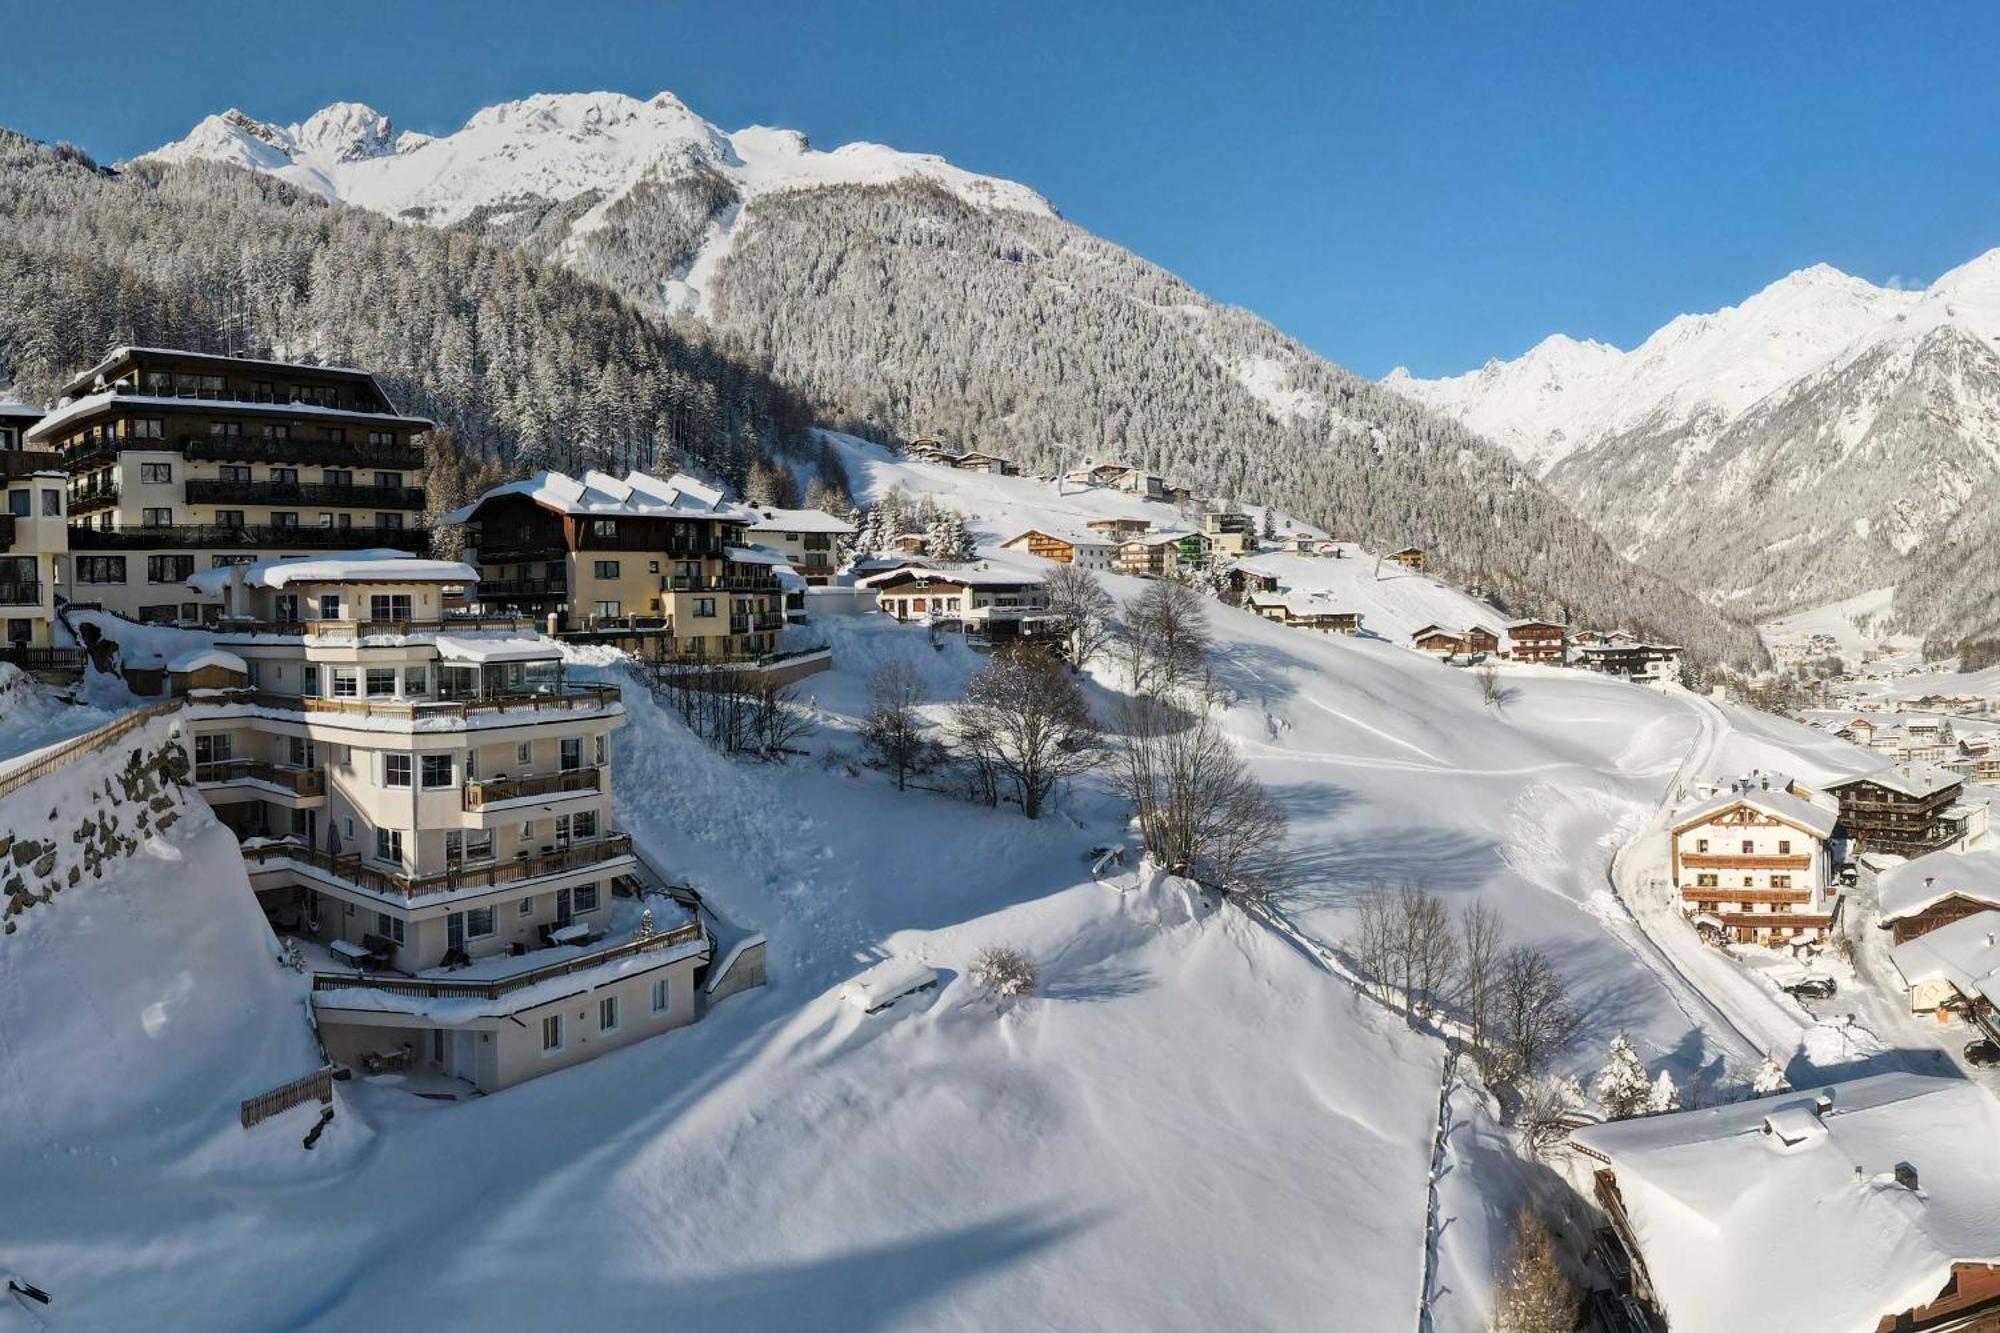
910,297
1806,445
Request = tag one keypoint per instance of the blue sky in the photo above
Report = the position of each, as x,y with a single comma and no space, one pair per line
1426,184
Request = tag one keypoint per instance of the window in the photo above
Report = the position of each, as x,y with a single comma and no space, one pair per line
381,437
524,753
156,518
389,845
300,752
583,824
395,770
389,606
156,474
285,476
281,518
51,504
416,682
1748,847
1784,847
704,606
329,606
1781,881
346,682
333,434
388,520
552,1033
607,610
607,1013
234,471
478,922
604,527
597,750
273,430
652,566
337,476
1701,844
605,569
148,428
572,753
100,569
583,899
390,927
437,770
526,907
309,679
391,479
19,503
1707,882
662,997
381,682
169,568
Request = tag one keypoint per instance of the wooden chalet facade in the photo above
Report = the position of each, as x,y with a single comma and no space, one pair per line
1302,611
1900,809
1410,557
1545,641
1445,641
1929,892
1000,604
1751,864
1086,551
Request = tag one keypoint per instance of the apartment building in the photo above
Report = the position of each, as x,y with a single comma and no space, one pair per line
1751,863
668,557
809,539
15,421
425,799
34,546
183,461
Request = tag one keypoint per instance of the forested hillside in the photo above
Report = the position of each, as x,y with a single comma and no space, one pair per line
526,364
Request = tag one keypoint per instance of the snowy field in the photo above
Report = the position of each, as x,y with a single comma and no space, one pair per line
1193,1126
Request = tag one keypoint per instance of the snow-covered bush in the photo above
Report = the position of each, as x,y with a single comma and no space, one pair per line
1622,1087
1003,973
1664,1096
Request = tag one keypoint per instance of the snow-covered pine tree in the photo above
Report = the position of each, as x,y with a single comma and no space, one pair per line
1770,1078
1664,1096
1621,1087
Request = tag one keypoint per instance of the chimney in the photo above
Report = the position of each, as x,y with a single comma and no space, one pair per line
1906,1176
1823,1104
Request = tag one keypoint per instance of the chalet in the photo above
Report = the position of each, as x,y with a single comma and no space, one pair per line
1538,641
1139,482
809,539
1931,891
1410,557
1642,662
1446,641
1955,969
1118,529
1314,611
1153,554
991,464
929,449
1863,1205
999,602
910,543
1248,576
1751,863
1901,808
1085,550
15,420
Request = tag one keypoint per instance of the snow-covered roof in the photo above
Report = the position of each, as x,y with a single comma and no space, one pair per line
1301,603
209,657
1776,800
601,495
1966,953
1164,537
1911,779
756,555
886,982
496,648
90,404
1534,621
1916,884
974,576
126,352
1740,1228
13,411
377,565
1074,536
800,520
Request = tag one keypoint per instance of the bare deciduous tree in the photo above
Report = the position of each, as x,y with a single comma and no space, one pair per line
1480,944
1165,639
1534,1015
1488,677
1199,810
1024,717
1086,612
1546,1113
894,730
1003,973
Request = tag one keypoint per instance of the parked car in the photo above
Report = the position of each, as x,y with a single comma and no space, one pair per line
1811,988
1982,1051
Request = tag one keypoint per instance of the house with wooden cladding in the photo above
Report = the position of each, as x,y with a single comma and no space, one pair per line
1906,809
998,602
1410,557
809,539
1858,1205
1545,641
1927,892
1954,970
1314,611
1447,641
1085,550
1634,660
669,558
1117,530
181,461
1751,863
1157,554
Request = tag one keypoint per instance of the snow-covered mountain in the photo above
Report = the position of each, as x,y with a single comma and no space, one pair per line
1800,446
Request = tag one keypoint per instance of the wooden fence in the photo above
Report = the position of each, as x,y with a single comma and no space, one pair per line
314,1087
88,743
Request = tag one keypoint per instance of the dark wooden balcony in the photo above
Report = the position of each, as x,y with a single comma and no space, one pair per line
251,537
480,792
214,490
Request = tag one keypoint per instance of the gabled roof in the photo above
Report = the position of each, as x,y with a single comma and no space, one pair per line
1070,535
1927,880
601,495
1745,1222
1780,804
1965,953
1914,778
972,576
18,412
1535,623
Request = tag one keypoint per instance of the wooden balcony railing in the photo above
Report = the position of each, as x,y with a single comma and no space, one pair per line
1722,893
440,988
300,781
1745,860
570,697
356,629
349,869
481,792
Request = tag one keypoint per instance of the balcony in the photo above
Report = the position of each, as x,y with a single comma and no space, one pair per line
214,490
298,781
1722,893
1745,861
578,697
678,938
253,537
702,583
312,453
89,497
495,590
21,592
481,792
348,868
234,627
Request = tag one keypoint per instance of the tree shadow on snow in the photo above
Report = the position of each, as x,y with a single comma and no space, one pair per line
1107,979
1339,874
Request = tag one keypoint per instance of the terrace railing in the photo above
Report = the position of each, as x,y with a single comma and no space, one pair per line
348,867
440,988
